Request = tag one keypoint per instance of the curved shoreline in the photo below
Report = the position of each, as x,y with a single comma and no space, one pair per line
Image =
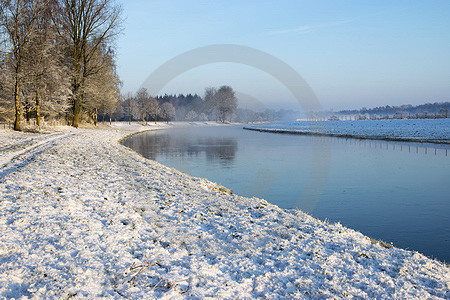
222,187
351,136
214,185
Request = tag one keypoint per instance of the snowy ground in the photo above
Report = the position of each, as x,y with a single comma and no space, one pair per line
83,216
427,130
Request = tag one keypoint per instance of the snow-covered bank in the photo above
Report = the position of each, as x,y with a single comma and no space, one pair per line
83,216
435,131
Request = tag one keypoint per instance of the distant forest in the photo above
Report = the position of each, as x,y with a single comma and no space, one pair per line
437,109
220,105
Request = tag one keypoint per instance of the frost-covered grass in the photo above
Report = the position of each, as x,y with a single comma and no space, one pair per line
83,216
428,130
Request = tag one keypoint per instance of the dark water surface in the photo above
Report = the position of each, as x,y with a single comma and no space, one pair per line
394,191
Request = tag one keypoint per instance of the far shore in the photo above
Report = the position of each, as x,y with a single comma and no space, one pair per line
350,136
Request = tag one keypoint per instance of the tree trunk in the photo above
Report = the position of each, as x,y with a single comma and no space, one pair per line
27,113
38,109
76,111
17,106
76,89
95,116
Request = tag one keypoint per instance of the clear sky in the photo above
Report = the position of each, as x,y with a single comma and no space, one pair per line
351,53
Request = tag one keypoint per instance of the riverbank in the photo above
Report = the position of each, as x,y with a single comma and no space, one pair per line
349,136
82,215
415,131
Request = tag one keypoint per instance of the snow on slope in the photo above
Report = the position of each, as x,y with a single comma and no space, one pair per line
83,216
15,144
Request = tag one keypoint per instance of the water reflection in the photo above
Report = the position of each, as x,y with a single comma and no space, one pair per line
217,149
178,143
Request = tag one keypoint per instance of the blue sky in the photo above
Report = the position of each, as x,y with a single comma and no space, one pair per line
352,53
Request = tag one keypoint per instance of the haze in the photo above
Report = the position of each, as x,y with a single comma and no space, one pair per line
352,53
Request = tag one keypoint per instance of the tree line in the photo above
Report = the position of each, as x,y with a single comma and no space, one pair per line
218,104
57,59
212,106
439,108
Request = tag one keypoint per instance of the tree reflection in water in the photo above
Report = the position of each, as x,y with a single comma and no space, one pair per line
178,143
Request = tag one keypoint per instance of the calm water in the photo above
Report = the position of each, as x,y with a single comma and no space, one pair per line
397,192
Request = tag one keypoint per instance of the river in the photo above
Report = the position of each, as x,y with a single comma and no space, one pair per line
398,192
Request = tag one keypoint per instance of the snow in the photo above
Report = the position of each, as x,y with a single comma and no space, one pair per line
83,216
428,130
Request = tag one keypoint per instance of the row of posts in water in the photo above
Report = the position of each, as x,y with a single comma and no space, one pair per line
425,148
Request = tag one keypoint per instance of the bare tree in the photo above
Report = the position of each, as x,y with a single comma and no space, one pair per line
6,105
18,22
153,108
226,103
129,106
167,111
203,117
47,80
191,116
86,26
143,105
101,90
211,102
